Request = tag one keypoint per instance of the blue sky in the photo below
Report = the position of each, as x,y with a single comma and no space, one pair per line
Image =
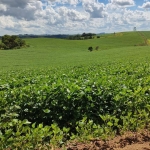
73,16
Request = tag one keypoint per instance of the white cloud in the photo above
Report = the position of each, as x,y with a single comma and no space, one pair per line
61,15
95,9
24,9
72,16
2,8
16,3
71,2
54,0
121,18
7,22
145,5
123,2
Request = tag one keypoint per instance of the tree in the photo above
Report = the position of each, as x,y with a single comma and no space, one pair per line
11,42
90,48
5,41
2,46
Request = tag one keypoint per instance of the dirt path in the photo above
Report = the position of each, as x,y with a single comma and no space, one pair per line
144,37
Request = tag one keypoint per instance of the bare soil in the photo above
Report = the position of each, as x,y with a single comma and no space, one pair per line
128,141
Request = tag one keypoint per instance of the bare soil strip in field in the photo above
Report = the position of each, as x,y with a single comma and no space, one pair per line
129,141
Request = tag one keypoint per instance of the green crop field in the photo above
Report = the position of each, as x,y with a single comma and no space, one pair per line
57,91
147,34
44,52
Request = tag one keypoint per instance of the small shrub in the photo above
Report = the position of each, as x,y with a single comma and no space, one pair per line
90,48
97,47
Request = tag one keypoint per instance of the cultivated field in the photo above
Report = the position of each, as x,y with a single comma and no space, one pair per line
56,92
59,52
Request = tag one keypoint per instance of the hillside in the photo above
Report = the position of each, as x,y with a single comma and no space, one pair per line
45,52
146,33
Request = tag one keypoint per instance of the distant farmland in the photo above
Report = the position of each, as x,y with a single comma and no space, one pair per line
45,52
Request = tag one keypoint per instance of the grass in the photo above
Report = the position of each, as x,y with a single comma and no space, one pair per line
45,52
147,34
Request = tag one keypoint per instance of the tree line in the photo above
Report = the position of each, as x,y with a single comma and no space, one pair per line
83,36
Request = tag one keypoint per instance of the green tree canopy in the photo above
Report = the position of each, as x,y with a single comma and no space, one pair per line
11,42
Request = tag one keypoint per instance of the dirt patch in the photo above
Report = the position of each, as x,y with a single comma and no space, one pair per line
129,141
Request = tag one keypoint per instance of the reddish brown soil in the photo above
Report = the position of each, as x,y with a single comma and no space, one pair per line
129,141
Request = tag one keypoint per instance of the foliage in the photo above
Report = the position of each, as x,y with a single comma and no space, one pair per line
90,48
48,107
82,36
11,42
99,97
